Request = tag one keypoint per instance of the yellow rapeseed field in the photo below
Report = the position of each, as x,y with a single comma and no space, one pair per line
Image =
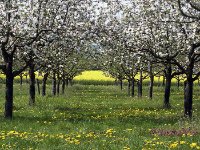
93,75
96,75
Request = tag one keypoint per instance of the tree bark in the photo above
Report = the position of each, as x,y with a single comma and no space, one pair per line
58,86
132,87
9,91
44,82
54,84
129,87
140,85
168,76
188,97
151,86
151,80
32,84
178,82
21,79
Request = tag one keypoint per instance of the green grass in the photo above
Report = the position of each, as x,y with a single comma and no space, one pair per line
96,117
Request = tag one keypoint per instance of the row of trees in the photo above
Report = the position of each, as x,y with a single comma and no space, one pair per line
46,36
151,36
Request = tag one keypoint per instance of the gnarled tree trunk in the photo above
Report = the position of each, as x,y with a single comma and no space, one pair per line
32,84
151,80
178,82
21,79
132,87
151,86
168,76
44,82
58,86
129,87
140,85
188,97
9,91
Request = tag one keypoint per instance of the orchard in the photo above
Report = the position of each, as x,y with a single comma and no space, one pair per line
99,74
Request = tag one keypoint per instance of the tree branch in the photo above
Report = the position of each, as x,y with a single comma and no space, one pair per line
185,14
35,38
194,5
17,72
197,76
175,62
177,73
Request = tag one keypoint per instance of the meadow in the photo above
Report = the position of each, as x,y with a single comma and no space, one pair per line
99,117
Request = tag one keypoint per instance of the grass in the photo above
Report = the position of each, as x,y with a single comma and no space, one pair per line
97,117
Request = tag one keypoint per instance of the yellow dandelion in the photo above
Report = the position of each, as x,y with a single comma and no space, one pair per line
126,148
193,145
182,142
78,136
173,145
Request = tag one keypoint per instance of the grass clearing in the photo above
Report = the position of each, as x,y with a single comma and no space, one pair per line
97,117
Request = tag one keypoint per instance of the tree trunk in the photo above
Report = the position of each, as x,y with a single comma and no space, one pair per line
140,85
58,86
150,67
44,82
178,82
168,76
9,91
132,87
21,79
188,96
129,87
32,84
38,86
54,84
151,86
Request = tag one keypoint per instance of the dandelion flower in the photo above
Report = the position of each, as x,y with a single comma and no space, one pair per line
193,145
173,145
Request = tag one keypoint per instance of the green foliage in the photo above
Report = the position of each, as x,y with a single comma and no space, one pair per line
97,117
